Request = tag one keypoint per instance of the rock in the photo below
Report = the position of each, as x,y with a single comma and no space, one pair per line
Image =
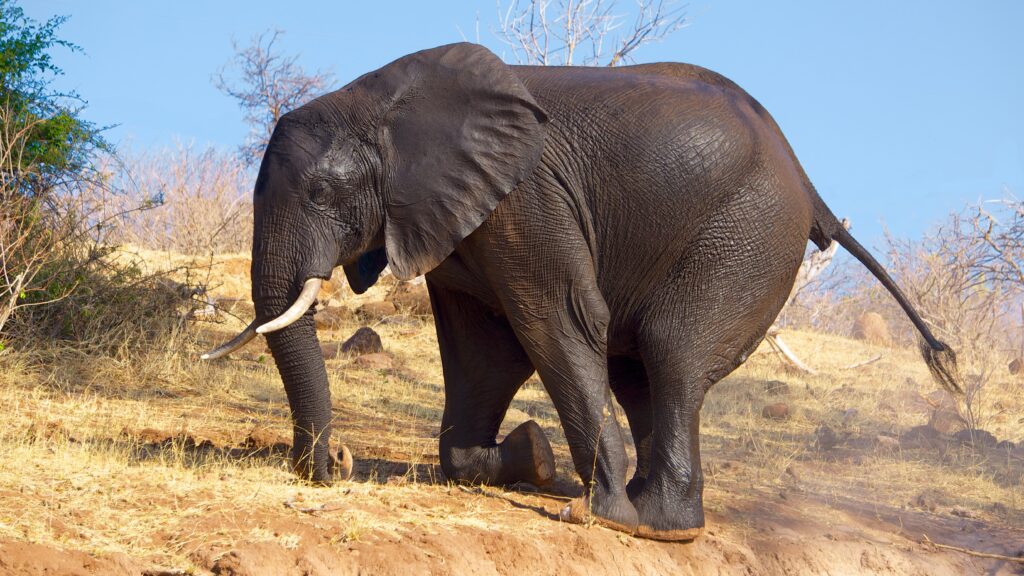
777,411
1006,445
924,501
330,350
1015,366
332,317
825,438
975,438
922,433
364,341
411,298
776,388
946,421
872,327
887,442
375,310
962,512
378,361
849,415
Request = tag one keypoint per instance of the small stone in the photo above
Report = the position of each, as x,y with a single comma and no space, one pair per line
924,501
946,421
1015,366
364,341
825,438
887,442
375,310
777,411
872,327
776,388
378,361
975,438
922,434
330,350
962,512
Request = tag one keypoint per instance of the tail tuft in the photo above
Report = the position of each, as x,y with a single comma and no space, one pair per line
942,364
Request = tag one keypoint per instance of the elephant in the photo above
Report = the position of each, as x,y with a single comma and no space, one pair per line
629,232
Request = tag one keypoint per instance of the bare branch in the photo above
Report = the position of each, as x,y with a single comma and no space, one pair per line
580,30
268,84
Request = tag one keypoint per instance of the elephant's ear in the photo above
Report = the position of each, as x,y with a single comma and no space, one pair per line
366,270
462,131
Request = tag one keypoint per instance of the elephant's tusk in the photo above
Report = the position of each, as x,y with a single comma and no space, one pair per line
306,298
237,342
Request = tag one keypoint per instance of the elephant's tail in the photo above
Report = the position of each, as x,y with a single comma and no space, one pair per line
939,357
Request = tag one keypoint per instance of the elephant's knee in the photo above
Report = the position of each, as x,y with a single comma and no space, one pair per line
469,464
523,456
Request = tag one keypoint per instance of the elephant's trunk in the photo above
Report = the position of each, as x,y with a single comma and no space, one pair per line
300,362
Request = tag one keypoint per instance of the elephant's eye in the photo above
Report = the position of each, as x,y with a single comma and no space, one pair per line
320,192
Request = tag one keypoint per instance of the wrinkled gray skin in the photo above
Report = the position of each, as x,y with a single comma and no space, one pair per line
631,230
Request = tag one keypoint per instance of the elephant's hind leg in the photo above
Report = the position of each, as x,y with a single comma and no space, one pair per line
713,314
628,381
484,366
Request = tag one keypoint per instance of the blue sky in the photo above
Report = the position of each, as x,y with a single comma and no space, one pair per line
899,111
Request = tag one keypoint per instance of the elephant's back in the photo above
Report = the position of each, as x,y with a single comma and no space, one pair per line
656,153
656,140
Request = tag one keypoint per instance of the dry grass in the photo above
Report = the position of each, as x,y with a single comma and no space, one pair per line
135,456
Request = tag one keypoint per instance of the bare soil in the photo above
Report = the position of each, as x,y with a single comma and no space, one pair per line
792,529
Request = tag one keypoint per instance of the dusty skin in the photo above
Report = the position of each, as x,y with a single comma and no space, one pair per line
166,466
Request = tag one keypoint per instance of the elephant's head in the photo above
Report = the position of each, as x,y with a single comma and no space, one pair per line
396,168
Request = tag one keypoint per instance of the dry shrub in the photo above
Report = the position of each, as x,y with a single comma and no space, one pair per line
200,202
959,278
872,327
62,284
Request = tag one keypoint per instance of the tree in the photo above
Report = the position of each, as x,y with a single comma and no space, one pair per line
45,147
587,32
56,139
268,84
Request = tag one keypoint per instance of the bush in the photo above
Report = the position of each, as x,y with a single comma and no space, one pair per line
59,279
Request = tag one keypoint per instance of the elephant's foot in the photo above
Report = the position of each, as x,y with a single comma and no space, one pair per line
340,466
635,486
526,454
343,464
679,535
668,520
614,513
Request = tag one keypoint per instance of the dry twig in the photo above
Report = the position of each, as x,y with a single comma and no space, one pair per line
928,542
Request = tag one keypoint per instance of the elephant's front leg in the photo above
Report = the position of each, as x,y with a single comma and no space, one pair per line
568,346
484,366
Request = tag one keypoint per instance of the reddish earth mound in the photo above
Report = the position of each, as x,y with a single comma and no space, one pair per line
762,534
23,558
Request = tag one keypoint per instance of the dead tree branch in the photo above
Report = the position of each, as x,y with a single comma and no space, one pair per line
579,32
268,84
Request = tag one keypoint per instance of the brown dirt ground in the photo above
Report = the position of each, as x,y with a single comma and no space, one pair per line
789,530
